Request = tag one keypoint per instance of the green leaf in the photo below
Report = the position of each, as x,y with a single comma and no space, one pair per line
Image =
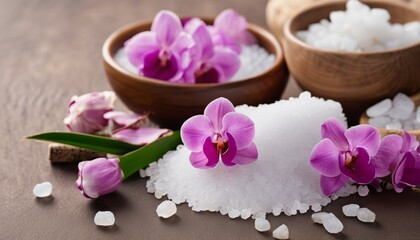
141,158
87,141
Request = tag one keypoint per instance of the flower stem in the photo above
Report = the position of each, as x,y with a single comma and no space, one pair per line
141,158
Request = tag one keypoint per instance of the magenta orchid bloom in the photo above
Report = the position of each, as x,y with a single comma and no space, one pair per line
99,177
210,64
344,155
399,156
85,113
230,29
163,52
219,133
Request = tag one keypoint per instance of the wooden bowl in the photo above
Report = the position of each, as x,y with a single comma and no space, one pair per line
170,104
364,119
356,80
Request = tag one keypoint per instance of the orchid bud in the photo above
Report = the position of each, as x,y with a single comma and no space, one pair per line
85,113
99,177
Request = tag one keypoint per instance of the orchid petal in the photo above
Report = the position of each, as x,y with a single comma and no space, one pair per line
325,157
199,160
364,136
141,136
226,61
211,152
230,154
247,38
122,119
410,142
154,68
407,173
241,127
194,132
330,185
213,75
167,27
362,171
216,110
139,46
334,130
201,35
230,23
388,152
247,155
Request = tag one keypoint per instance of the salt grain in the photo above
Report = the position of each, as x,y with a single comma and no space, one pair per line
282,232
366,215
360,28
262,225
317,217
281,179
363,191
380,108
166,209
331,223
350,210
42,189
104,218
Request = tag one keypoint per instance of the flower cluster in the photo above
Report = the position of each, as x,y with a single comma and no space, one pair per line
221,133
358,155
190,51
91,113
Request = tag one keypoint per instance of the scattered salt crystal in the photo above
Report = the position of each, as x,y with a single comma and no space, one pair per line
254,61
366,215
358,29
317,217
380,108
389,186
42,189
262,225
281,179
166,209
379,122
402,107
316,207
143,173
331,223
363,191
104,218
394,125
350,210
282,232
234,213
418,114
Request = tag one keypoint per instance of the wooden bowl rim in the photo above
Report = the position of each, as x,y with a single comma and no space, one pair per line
108,58
364,119
291,36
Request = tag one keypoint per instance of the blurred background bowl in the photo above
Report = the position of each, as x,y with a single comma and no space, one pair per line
356,80
170,104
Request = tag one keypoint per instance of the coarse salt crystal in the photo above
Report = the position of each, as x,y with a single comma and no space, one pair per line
317,217
262,225
282,232
366,215
104,218
350,210
166,209
380,108
331,223
394,125
43,189
363,191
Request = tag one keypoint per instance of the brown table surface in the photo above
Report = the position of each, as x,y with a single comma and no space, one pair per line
51,50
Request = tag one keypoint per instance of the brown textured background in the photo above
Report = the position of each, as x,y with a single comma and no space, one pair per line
50,50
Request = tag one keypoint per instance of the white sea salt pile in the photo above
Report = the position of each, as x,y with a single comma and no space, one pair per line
366,215
360,28
262,225
350,210
166,209
331,223
104,218
254,61
281,180
43,189
400,113
282,232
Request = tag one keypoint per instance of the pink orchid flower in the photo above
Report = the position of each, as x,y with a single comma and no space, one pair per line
399,156
210,63
85,113
219,133
161,53
344,155
99,177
